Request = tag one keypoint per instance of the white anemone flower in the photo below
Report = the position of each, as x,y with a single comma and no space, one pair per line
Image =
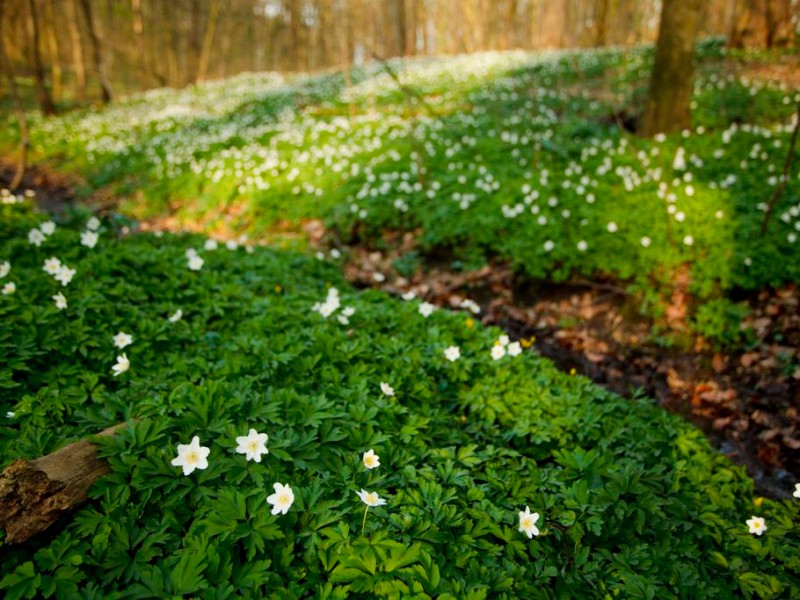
371,460
191,456
252,445
282,499
123,364
452,353
371,498
527,522
60,300
121,340
757,525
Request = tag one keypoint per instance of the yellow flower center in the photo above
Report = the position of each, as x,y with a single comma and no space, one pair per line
253,445
284,499
526,523
191,457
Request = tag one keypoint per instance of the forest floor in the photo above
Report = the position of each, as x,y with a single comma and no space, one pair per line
744,399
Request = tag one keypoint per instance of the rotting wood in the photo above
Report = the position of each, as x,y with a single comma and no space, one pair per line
35,494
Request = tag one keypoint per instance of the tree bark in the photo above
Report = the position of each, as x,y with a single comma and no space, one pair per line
42,93
24,143
97,51
53,51
35,494
208,41
601,23
670,93
138,35
763,24
77,50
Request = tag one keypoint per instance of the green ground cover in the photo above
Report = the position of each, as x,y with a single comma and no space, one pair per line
633,502
509,156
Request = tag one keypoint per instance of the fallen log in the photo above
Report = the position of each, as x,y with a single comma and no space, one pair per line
35,494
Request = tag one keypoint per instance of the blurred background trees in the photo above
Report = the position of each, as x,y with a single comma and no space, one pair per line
63,50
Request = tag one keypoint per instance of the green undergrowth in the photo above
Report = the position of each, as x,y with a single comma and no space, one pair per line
634,502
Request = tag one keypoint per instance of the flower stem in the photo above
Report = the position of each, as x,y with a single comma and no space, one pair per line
364,522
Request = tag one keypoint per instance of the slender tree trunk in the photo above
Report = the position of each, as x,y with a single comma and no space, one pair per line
77,50
208,41
42,93
138,35
52,50
24,142
670,93
97,51
400,22
601,23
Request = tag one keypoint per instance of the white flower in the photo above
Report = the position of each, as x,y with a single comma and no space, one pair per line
51,266
796,493
282,499
89,238
426,309
408,295
122,339
253,445
48,227
371,460
9,288
612,227
688,240
123,364
452,353
10,415
679,162
582,246
191,456
387,389
231,245
514,349
498,351
64,275
371,498
757,525
60,300
93,224
36,237
503,340
176,316
645,241
527,522
5,268
549,245
195,263
210,244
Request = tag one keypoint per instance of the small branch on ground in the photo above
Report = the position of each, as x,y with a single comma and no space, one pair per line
35,494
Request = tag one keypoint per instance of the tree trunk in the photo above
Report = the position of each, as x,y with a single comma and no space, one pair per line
42,93
763,24
601,23
670,93
24,142
97,51
138,34
77,49
208,41
35,494
52,50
